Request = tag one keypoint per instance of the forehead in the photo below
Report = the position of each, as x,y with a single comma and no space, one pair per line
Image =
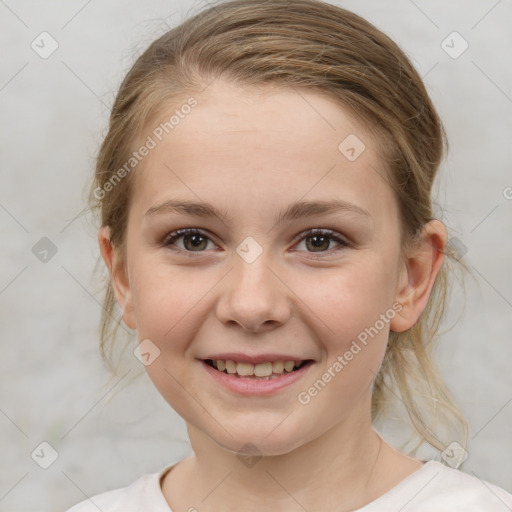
255,147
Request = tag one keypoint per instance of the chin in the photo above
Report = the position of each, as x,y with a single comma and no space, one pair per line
258,443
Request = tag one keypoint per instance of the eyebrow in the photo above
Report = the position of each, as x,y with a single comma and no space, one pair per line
292,212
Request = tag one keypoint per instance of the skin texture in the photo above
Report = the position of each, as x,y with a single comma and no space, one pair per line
251,153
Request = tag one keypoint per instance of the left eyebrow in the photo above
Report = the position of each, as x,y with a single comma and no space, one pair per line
294,211
310,208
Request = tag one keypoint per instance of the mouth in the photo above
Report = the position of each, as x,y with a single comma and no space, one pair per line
261,371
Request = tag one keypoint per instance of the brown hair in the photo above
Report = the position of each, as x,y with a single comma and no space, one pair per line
309,45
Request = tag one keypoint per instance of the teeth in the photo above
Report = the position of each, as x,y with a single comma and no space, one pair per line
288,365
277,366
244,369
267,370
230,366
262,369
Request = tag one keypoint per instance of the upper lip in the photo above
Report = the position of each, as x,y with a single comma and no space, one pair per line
254,359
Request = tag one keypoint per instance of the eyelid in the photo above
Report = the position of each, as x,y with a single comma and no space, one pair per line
180,233
329,233
333,235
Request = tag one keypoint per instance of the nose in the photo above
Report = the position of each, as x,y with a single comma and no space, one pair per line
253,297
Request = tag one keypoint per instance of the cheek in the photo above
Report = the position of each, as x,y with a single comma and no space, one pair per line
165,303
353,335
356,310
169,307
352,298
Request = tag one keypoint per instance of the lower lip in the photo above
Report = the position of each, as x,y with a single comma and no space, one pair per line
251,386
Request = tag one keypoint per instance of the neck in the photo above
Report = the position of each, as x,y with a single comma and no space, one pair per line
334,470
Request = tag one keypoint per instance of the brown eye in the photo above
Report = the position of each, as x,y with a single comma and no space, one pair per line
315,241
197,242
319,241
193,240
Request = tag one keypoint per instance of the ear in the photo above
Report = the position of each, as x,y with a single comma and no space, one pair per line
118,276
418,274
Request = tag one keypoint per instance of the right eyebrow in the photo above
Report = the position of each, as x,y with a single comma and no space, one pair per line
189,208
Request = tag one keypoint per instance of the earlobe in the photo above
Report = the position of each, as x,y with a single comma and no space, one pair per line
118,276
418,274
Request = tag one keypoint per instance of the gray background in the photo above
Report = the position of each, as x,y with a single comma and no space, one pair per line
54,386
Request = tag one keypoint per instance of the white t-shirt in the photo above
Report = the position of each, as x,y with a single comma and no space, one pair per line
432,488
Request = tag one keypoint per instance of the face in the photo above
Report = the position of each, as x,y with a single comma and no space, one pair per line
257,279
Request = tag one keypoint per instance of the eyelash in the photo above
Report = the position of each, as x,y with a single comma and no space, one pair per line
170,238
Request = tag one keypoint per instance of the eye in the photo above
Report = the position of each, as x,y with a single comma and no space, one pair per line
318,241
194,240
315,241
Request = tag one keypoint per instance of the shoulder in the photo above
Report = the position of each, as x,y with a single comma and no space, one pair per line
471,492
444,489
143,494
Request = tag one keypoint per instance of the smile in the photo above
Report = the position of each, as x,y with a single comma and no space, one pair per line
266,371
243,379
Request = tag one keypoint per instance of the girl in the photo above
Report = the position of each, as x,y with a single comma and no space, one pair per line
266,218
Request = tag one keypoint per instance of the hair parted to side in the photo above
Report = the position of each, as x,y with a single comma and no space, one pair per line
308,45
